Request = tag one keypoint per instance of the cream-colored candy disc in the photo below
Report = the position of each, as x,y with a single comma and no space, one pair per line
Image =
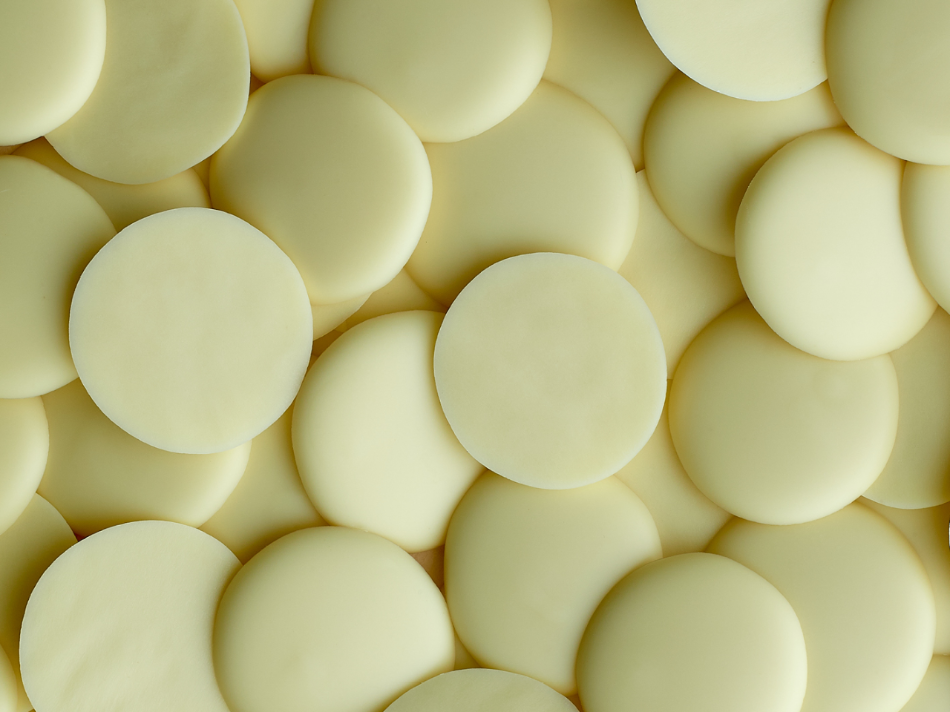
277,36
374,449
525,569
863,599
743,48
51,53
401,294
702,148
776,435
24,446
332,174
551,370
684,285
191,331
821,250
552,177
8,686
481,691
329,620
173,89
49,229
934,691
693,632
124,620
451,68
925,208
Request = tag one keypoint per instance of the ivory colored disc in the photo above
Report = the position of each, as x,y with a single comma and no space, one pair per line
934,691
551,370
684,285
525,569
374,449
24,446
125,619
401,294
481,691
863,599
277,36
191,331
693,632
925,209
327,317
553,177
173,89
329,620
49,229
702,149
332,174
51,53
821,250
8,686
451,68
743,48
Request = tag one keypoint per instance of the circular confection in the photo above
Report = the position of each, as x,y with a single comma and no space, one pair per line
690,632
329,620
478,690
703,148
743,48
451,68
49,230
862,596
166,98
277,36
925,209
191,331
773,434
931,696
24,446
821,251
526,567
551,370
333,175
51,53
553,177
374,449
8,686
127,615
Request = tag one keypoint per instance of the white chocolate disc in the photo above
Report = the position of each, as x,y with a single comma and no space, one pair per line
276,36
693,632
329,620
451,68
821,250
932,694
551,370
191,331
125,618
51,53
334,176
863,599
552,177
776,435
481,691
49,230
373,446
702,149
925,209
526,567
24,446
8,686
401,294
748,49
173,88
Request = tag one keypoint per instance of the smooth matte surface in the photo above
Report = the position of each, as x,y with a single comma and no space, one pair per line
24,447
327,317
934,691
8,685
925,209
401,294
481,691
277,36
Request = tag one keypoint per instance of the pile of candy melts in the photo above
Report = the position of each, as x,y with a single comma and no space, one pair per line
474,355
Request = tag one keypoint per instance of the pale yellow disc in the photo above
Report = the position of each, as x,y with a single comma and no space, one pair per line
123,620
24,446
918,471
602,52
51,53
191,331
693,632
327,317
481,691
684,285
776,435
277,36
451,68
702,148
553,177
401,294
933,695
925,209
27,548
329,620
821,250
748,49
124,204
551,370
8,686
525,569
863,599
374,449
49,229
332,174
